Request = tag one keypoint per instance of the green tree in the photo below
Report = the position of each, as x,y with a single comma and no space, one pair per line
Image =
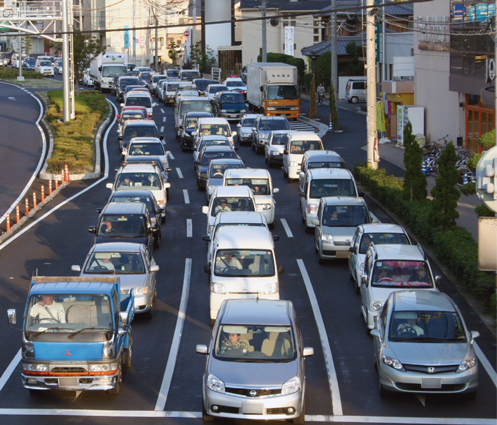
205,60
323,68
312,104
444,206
414,180
333,107
487,140
356,67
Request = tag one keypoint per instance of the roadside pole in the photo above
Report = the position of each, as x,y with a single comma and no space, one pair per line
372,137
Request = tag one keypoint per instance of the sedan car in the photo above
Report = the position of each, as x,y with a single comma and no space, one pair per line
206,155
122,83
215,173
187,136
144,146
209,141
157,214
255,365
245,128
274,147
422,345
214,88
230,105
129,114
263,126
134,265
137,128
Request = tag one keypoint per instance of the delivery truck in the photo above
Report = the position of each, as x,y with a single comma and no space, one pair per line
76,334
106,66
272,89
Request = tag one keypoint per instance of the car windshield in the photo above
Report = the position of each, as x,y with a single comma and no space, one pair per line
172,86
30,60
136,131
218,170
232,204
202,84
139,101
332,187
242,263
209,156
384,238
326,164
173,73
282,92
132,116
211,142
144,76
191,122
427,326
255,344
302,146
267,125
122,197
125,226
115,263
232,98
127,82
247,122
147,181
258,186
112,71
344,215
195,106
214,129
215,89
235,84
400,274
278,139
147,149
45,63
47,313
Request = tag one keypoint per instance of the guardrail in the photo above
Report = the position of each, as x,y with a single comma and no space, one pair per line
30,10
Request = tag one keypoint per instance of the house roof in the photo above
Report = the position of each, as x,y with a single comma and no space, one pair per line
325,46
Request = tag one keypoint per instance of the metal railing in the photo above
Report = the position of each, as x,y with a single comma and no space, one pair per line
31,10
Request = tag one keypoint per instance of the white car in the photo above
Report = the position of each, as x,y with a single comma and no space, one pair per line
377,233
215,173
389,268
273,149
147,146
45,67
245,128
87,80
298,143
235,84
214,126
212,89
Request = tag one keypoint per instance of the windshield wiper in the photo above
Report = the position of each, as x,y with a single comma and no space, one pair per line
71,336
37,334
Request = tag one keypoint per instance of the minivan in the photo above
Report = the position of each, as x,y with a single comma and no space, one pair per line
355,91
191,104
297,144
139,99
243,266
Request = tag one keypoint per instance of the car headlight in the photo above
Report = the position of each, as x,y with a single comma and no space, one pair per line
466,364
294,108
35,367
263,136
266,206
274,153
377,305
223,110
327,238
218,288
312,209
293,164
394,363
361,267
161,202
103,367
242,111
141,290
270,288
291,386
215,384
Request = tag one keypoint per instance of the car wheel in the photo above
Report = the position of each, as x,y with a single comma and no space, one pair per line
205,416
300,420
157,240
471,396
117,389
383,392
354,100
128,354
150,313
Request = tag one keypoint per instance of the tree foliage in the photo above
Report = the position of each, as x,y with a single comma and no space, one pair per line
323,69
487,140
205,60
312,104
444,207
333,107
356,67
414,180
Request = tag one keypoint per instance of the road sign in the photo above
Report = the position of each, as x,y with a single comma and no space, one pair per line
142,38
186,33
486,178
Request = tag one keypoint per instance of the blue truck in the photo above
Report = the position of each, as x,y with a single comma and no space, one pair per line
76,334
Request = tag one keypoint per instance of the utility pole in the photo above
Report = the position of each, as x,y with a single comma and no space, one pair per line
19,61
156,60
372,136
134,33
194,28
334,57
66,87
264,40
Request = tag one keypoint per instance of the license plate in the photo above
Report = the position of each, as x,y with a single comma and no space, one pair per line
342,254
232,116
68,382
252,409
431,383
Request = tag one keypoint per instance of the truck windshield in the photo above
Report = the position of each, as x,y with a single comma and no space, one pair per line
244,263
282,93
112,71
115,263
58,312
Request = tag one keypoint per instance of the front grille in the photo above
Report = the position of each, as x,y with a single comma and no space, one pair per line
342,243
424,369
259,392
445,388
228,409
329,253
242,293
277,411
67,370
86,381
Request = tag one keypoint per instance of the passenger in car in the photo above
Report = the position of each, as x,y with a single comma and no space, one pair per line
419,275
232,342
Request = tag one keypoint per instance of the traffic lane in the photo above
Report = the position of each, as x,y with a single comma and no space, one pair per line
21,143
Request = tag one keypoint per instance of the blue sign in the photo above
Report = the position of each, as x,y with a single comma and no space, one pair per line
126,37
458,11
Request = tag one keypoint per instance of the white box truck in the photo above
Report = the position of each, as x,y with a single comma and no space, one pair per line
272,89
106,66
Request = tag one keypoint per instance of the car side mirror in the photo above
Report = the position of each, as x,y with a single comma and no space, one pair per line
438,279
123,319
315,221
205,209
206,238
302,194
92,229
109,185
275,190
76,268
375,332
276,238
154,268
207,269
234,133
285,152
361,194
11,316
201,349
281,269
352,250
239,125
307,352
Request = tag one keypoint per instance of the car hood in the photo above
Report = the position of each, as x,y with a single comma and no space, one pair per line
246,129
235,374
277,148
341,234
128,281
430,353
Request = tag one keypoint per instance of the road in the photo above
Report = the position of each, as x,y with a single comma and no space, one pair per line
165,379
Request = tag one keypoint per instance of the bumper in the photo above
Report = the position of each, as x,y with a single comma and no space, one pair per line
293,172
143,303
288,114
444,383
330,251
69,383
244,138
275,159
240,407
187,143
232,116
309,218
217,299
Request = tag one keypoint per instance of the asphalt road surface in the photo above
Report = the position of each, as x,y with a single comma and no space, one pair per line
164,382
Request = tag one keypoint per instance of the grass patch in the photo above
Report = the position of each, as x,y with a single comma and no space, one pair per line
12,74
73,141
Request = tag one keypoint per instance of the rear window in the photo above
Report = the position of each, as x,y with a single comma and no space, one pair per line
139,101
302,146
397,274
145,131
332,187
274,124
129,226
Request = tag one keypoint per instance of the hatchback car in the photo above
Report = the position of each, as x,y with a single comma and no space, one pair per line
422,345
129,114
149,159
44,67
263,126
137,128
188,132
321,159
212,89
378,233
206,155
274,147
134,265
157,214
236,84
144,146
215,173
139,99
255,367
203,141
245,128
230,105
122,83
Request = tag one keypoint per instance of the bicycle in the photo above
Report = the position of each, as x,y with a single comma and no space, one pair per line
320,99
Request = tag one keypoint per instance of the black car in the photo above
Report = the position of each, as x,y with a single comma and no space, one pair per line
230,105
206,155
122,83
186,138
202,84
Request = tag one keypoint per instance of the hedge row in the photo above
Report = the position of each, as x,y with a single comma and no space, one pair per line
456,248
73,141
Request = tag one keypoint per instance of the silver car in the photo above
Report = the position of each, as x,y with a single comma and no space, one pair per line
255,365
133,263
215,173
422,345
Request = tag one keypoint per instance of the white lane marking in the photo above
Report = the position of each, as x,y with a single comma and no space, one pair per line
189,228
185,195
40,162
178,331
328,357
287,228
162,111
171,156
10,369
180,174
162,129
198,415
12,98
486,364
163,118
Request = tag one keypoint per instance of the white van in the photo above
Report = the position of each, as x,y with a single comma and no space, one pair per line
355,91
243,266
297,144
140,99
215,126
320,182
260,182
189,74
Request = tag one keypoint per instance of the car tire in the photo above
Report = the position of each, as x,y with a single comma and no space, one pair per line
300,420
205,416
354,100
158,240
128,354
150,313
117,389
383,392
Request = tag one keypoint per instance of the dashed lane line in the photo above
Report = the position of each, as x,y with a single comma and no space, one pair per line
287,228
189,228
180,174
186,196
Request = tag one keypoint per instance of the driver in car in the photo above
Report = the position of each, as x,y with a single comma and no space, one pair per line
410,327
48,311
104,263
228,262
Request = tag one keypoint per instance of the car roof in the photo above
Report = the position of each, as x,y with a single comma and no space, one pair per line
225,161
213,120
117,246
192,114
217,148
321,155
140,123
247,173
257,311
307,135
343,200
227,191
422,300
134,192
326,173
214,137
398,252
140,93
245,237
124,208
146,140
382,228
265,117
243,217
139,168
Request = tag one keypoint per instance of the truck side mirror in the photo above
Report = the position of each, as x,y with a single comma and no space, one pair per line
281,269
11,316
207,269
123,319
262,88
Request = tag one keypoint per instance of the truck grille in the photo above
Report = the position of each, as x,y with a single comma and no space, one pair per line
68,371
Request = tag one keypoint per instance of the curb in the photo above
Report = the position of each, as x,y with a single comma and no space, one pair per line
323,128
